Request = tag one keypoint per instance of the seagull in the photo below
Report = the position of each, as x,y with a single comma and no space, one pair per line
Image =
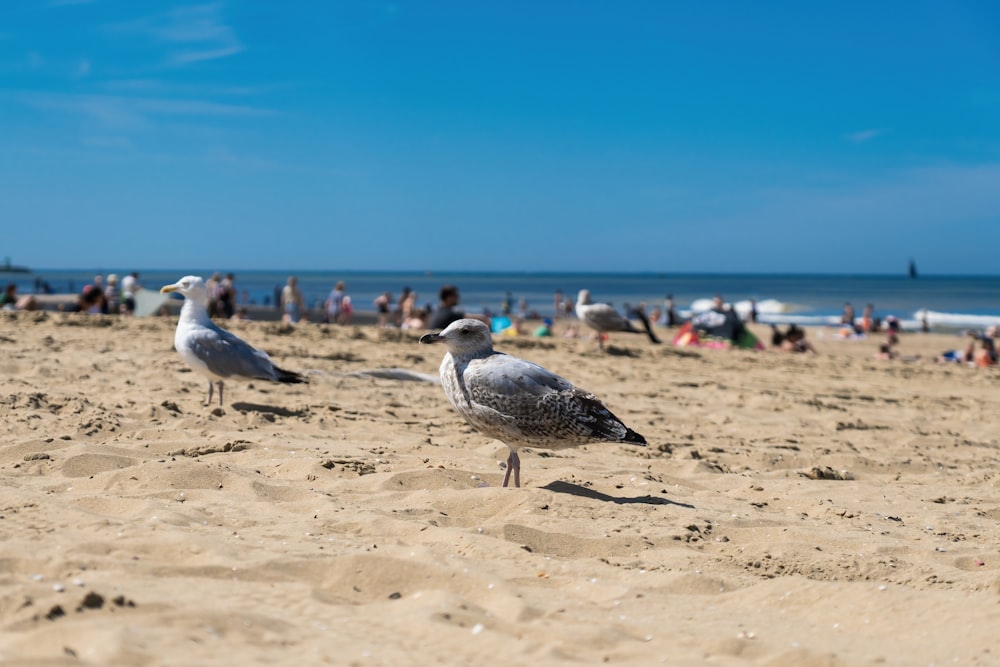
603,318
518,402
216,353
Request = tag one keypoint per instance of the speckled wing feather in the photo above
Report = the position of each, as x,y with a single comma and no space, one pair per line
603,317
518,401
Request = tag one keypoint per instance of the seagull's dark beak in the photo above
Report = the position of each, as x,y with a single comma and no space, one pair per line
431,338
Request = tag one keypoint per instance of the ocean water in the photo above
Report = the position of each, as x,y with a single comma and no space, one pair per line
947,302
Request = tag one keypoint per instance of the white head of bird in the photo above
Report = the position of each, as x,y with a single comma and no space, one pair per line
463,337
192,287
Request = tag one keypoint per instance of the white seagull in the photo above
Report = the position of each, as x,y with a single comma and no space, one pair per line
603,318
216,353
518,402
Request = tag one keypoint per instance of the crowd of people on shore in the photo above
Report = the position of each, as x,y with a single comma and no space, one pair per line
104,296
14,301
112,295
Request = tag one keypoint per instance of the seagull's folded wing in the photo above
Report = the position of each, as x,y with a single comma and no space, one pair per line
543,405
603,317
227,355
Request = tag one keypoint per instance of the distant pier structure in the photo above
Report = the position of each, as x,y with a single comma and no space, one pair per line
7,267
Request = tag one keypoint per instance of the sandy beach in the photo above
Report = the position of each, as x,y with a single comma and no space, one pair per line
827,509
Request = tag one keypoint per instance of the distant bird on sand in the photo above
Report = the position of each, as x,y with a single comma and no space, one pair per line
518,402
216,353
603,318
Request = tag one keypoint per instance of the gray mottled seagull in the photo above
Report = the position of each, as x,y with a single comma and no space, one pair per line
603,318
518,402
214,352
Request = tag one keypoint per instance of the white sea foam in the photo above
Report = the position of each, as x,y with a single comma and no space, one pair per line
773,311
955,320
742,308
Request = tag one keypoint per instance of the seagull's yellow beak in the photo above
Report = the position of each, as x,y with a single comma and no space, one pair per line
167,289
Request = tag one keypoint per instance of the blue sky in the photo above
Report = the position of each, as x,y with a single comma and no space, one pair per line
840,137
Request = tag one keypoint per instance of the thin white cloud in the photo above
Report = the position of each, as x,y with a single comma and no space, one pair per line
194,33
862,136
83,68
162,87
186,57
125,113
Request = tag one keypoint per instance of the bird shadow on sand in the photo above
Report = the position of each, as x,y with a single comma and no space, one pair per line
615,351
268,410
583,492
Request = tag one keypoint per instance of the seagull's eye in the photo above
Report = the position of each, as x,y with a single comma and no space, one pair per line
465,331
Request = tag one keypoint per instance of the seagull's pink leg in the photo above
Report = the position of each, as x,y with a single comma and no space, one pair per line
513,464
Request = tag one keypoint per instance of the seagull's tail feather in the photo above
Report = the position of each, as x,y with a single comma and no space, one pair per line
290,377
633,438
641,314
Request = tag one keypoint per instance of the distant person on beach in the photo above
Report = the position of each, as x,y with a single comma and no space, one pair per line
544,330
227,296
670,312
777,337
212,286
408,307
416,320
795,340
400,316
99,305
967,355
868,322
751,316
885,352
567,306
334,301
292,304
847,317
448,311
90,300
112,295
383,303
346,310
987,354
888,350
130,285
11,301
